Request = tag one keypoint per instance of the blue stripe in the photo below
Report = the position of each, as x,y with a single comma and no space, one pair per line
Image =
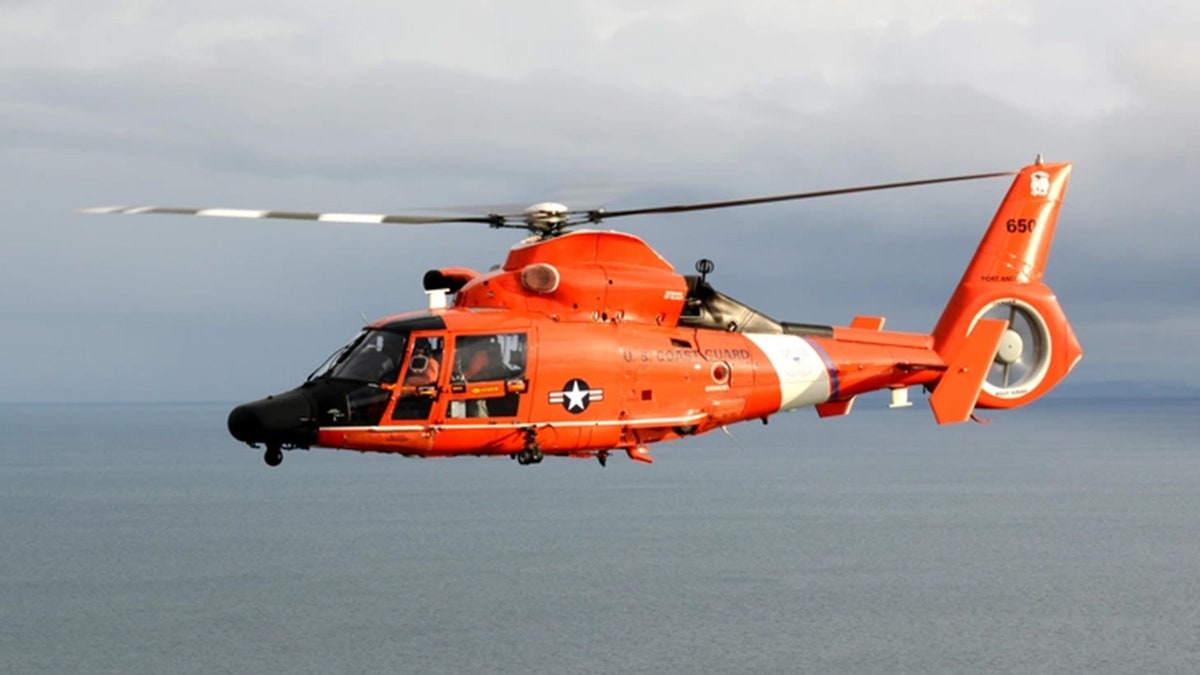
834,385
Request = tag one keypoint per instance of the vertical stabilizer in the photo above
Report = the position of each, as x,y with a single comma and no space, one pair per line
1004,281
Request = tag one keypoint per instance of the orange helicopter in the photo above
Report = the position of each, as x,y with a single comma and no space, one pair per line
587,342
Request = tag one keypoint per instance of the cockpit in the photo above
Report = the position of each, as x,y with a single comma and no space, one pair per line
401,372
372,356
354,385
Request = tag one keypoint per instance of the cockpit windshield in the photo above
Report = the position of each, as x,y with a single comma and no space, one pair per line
374,356
326,366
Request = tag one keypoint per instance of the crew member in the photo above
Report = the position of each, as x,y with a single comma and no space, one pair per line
423,367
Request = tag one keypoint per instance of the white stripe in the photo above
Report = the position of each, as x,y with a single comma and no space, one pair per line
229,213
663,421
352,217
803,377
593,395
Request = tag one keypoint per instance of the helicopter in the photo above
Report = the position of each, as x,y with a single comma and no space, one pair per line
587,342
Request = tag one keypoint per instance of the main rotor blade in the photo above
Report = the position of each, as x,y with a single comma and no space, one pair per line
494,220
600,214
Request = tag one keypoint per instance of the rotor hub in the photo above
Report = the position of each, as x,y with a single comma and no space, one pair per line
545,216
1011,346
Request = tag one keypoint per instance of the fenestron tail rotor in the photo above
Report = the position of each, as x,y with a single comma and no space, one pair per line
1024,352
545,219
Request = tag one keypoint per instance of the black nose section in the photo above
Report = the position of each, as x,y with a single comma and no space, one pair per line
284,419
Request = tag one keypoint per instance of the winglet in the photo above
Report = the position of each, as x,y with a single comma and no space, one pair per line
958,390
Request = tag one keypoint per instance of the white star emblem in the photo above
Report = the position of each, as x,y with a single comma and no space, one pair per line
576,397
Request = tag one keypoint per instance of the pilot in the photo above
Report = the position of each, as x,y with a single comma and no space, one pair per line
423,367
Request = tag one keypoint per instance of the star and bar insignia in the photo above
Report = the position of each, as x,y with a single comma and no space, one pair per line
576,396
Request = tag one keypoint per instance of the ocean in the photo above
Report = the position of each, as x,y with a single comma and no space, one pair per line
1061,538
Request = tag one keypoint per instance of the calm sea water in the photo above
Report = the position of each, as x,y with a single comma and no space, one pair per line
1062,538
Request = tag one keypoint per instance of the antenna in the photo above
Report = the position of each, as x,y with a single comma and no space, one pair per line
705,267
730,435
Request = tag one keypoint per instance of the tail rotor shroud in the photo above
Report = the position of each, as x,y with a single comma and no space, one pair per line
1023,357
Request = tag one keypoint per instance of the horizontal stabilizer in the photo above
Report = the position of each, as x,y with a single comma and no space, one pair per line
958,390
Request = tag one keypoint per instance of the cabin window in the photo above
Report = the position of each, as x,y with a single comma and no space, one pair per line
484,367
482,358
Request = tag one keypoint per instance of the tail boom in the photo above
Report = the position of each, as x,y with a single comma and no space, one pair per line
1002,340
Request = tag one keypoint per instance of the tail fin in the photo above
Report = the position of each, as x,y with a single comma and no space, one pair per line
1004,281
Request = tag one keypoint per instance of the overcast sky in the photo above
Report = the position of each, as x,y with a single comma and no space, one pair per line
389,106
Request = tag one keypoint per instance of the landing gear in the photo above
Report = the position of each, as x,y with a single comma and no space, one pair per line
532,452
273,456
602,457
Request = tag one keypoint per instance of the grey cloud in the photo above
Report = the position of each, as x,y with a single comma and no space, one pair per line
249,305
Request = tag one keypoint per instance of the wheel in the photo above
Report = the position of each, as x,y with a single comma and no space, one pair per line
273,456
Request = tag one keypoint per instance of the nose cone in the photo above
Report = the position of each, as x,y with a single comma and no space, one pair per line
285,419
